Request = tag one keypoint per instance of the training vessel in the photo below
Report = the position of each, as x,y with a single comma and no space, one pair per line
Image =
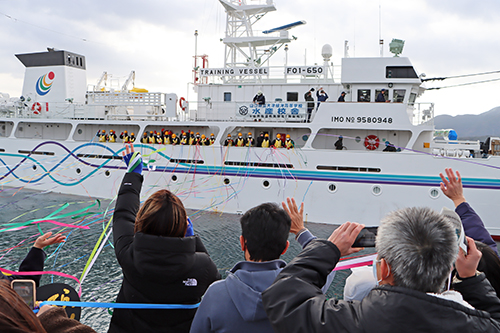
355,160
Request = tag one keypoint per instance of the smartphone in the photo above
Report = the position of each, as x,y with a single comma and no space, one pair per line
26,289
366,237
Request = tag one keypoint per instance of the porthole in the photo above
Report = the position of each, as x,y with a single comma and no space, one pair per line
34,167
227,181
358,139
107,173
305,137
266,184
80,131
434,193
332,187
376,190
174,178
78,171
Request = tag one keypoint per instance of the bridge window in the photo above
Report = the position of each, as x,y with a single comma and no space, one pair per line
398,95
292,96
364,95
400,72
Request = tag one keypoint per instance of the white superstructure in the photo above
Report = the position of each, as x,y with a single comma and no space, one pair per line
48,137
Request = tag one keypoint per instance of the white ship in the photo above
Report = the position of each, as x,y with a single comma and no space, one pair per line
48,136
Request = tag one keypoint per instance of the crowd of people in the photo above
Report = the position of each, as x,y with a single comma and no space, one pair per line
424,279
263,141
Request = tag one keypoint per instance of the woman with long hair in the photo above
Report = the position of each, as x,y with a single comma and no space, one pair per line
162,261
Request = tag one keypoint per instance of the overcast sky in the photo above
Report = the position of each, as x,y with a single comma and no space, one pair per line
156,39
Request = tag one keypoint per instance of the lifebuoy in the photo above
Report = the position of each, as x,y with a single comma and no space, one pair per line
36,108
183,103
372,142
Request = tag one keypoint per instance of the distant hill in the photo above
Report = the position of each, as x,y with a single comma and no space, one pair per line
471,126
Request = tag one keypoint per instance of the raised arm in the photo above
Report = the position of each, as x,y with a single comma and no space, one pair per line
127,203
452,187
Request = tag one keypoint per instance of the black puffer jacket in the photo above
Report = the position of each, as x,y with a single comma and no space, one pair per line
295,303
159,270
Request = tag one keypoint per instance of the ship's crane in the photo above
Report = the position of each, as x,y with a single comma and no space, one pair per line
131,78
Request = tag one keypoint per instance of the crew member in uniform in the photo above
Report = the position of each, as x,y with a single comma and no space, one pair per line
212,139
124,136
191,138
265,142
240,141
204,141
260,139
167,138
278,143
151,138
102,136
229,141
158,138
184,139
112,136
250,141
144,138
289,142
175,139
259,99
197,139
131,138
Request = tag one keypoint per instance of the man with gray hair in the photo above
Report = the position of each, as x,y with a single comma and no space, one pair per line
416,251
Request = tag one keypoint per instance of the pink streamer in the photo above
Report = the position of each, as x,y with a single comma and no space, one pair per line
3,270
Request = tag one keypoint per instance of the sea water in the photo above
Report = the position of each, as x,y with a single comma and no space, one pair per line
220,233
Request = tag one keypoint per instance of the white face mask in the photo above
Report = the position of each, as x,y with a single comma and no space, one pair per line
375,261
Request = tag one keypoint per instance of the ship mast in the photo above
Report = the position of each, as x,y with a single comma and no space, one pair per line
243,47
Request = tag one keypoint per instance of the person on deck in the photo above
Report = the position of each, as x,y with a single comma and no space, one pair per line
112,136
277,143
289,142
310,103
228,142
145,138
161,260
212,139
184,139
265,142
381,96
339,144
259,99
131,138
416,248
124,136
102,136
341,97
321,96
175,139
260,138
389,147
235,304
204,141
250,141
240,141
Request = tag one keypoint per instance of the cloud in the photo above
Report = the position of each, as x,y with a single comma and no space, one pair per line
155,38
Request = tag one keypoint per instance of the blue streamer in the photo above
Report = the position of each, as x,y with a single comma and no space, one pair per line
121,305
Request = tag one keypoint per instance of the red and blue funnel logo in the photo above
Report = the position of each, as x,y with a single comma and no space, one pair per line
44,83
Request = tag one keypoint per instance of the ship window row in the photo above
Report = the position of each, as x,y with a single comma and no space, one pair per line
400,72
36,152
347,168
365,95
259,164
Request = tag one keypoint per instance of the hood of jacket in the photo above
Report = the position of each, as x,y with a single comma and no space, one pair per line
246,282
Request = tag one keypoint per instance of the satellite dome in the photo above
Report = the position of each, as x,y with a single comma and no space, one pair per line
327,52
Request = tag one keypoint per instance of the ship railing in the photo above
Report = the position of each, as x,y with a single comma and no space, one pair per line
421,113
125,98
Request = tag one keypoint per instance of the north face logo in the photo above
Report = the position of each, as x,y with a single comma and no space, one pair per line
190,283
